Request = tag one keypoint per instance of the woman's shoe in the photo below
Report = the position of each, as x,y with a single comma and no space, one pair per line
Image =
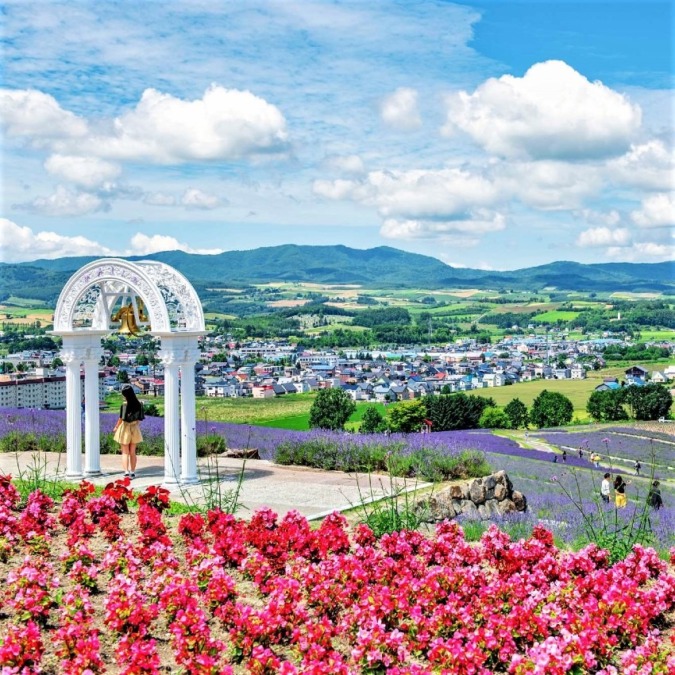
126,474
132,475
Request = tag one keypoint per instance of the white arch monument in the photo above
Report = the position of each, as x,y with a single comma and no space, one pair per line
174,314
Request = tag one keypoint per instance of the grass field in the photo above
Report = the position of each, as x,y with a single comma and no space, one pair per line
655,335
555,315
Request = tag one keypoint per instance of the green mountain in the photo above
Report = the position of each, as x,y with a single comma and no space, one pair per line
381,267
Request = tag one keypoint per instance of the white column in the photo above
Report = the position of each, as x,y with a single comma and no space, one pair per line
171,417
188,472
92,427
72,358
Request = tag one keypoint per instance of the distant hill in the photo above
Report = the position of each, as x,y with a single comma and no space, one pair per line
381,267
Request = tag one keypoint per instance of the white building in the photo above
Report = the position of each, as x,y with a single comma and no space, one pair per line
39,392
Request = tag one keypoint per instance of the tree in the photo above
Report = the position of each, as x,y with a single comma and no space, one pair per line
606,406
408,416
56,362
494,418
331,409
122,376
372,421
456,411
142,360
551,409
151,410
517,413
649,402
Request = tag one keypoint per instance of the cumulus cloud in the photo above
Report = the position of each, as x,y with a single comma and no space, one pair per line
656,211
399,110
463,231
196,199
352,164
603,236
19,244
225,124
649,165
142,244
65,202
549,185
416,194
643,252
38,116
552,112
88,172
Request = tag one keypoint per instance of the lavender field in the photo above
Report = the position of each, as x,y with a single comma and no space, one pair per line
532,471
618,443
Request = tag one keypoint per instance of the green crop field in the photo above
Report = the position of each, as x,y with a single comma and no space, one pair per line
555,315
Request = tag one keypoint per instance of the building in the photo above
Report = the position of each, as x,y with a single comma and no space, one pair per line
39,392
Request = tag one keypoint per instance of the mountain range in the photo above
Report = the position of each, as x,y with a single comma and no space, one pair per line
381,267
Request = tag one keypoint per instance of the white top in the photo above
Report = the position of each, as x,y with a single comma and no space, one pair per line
604,488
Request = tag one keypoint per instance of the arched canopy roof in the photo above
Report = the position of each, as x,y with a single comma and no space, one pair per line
171,303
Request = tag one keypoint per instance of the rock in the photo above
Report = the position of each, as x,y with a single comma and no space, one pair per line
484,512
506,506
457,492
519,500
477,492
502,478
500,492
492,506
245,453
470,511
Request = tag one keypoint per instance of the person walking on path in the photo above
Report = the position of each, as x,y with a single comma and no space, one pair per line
595,458
605,489
564,456
654,498
620,492
127,430
638,466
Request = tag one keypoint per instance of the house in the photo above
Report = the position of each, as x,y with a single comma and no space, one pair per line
659,377
608,385
637,371
578,372
263,391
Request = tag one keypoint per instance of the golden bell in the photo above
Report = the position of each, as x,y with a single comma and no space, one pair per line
125,315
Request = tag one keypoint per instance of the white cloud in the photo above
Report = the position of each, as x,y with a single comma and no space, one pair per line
552,112
21,243
88,172
642,252
416,194
352,164
656,211
38,116
225,124
399,110
142,244
159,199
649,165
196,199
466,230
607,219
603,236
548,185
64,202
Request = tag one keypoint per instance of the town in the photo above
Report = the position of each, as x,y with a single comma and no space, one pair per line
264,370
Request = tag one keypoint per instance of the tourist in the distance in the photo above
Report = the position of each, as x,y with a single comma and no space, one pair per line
620,492
605,489
638,466
564,456
654,498
127,430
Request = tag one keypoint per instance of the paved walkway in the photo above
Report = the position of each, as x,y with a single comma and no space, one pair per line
313,493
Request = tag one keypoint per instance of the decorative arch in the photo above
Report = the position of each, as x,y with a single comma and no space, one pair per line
83,316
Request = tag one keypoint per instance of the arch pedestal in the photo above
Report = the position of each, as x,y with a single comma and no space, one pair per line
175,316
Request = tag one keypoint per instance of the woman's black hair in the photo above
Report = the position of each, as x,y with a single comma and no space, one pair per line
133,404
617,481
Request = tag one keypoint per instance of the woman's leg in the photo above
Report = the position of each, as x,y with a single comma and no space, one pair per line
125,457
132,457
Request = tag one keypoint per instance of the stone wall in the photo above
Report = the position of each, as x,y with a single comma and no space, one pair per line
478,499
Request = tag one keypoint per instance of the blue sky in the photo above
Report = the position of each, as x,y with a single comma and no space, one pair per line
488,134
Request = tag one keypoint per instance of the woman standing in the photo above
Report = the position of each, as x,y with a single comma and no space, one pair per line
127,430
620,492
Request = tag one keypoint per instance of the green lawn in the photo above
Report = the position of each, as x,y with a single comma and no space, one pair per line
555,315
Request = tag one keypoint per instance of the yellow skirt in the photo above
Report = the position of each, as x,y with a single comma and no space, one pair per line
620,500
128,432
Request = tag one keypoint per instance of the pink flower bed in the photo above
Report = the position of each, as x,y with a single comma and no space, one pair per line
90,588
